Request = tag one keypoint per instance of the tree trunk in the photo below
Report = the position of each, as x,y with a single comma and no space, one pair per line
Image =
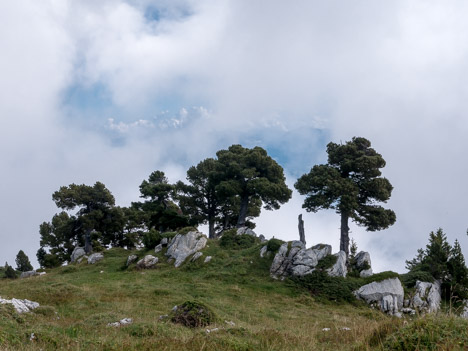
211,227
344,239
243,212
301,230
88,247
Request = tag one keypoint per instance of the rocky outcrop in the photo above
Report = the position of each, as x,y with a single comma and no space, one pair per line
363,264
246,230
464,312
185,245
427,297
21,306
158,248
28,274
339,269
147,262
207,259
77,253
121,323
387,295
294,259
196,256
263,251
95,257
131,259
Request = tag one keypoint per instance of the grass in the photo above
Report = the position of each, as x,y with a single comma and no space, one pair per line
253,311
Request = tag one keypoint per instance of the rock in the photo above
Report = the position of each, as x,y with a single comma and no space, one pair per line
95,257
207,259
427,297
339,269
263,251
262,238
21,306
366,273
388,294
185,245
28,274
245,230
164,241
41,273
158,248
82,258
77,253
296,261
322,250
147,262
131,259
122,322
464,313
196,256
363,263
409,311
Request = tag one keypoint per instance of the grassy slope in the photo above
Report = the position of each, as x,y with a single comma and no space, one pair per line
78,301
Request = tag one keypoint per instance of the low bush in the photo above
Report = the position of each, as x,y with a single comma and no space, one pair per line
321,285
193,314
273,245
186,230
232,240
151,239
409,279
327,262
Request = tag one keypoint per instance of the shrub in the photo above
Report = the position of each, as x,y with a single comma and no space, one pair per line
321,285
273,244
379,277
193,314
151,239
10,273
327,262
409,279
232,240
186,230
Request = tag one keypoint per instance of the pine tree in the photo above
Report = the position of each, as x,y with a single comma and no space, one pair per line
22,262
10,272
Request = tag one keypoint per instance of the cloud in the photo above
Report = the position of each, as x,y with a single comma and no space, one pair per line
105,91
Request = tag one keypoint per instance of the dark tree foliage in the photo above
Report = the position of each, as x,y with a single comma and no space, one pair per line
351,184
443,263
10,273
251,175
199,199
96,221
159,210
22,262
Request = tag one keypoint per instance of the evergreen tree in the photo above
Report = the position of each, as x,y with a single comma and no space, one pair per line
351,184
10,273
251,175
458,272
159,211
22,262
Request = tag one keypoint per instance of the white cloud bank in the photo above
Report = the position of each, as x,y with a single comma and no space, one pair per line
286,76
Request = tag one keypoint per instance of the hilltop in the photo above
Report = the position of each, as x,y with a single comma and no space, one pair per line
251,310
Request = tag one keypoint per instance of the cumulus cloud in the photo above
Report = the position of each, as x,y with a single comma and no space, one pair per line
105,91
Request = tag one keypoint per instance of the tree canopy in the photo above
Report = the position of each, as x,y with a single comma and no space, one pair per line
351,184
249,175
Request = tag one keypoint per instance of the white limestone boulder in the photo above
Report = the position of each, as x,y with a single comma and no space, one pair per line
427,297
387,295
77,253
185,245
95,257
147,262
21,306
339,269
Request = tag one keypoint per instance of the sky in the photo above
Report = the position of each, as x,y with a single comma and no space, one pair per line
112,90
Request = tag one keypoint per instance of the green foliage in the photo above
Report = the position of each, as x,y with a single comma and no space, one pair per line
22,262
326,262
251,175
10,273
324,287
409,279
232,240
151,239
430,333
442,262
351,184
273,244
193,314
379,277
159,210
186,230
